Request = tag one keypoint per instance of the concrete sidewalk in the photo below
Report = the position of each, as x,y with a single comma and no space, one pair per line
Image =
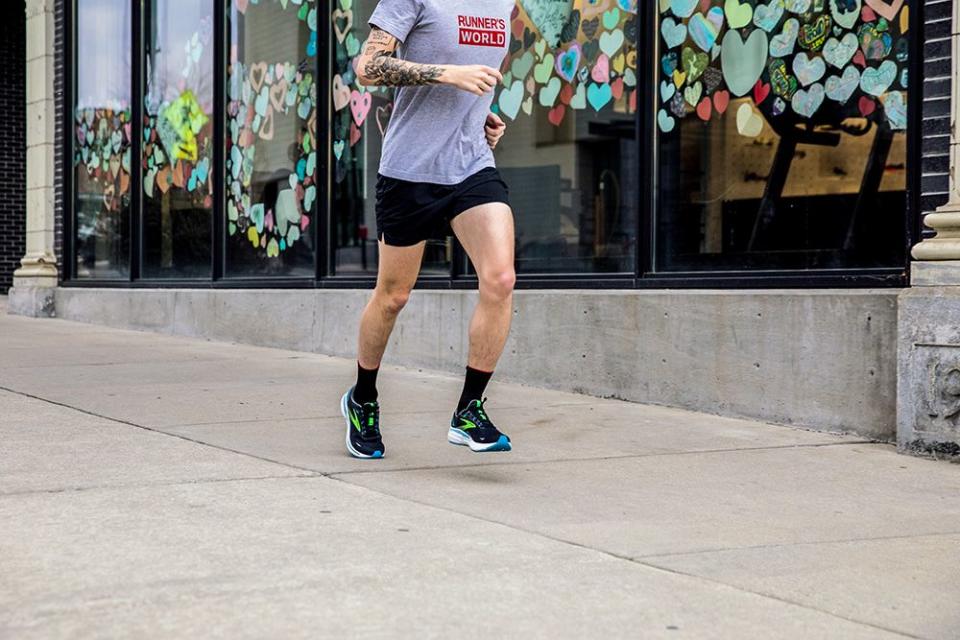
159,487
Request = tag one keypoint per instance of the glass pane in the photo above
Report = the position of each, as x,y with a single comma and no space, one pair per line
357,135
178,139
782,141
102,143
271,155
570,153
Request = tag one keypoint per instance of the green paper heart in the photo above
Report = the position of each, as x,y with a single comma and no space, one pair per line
694,64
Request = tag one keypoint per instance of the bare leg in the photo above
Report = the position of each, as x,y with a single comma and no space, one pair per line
399,268
486,233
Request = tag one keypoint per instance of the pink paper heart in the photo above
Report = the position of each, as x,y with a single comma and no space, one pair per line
886,8
360,106
601,69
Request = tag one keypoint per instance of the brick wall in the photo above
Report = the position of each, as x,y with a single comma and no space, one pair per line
935,167
12,138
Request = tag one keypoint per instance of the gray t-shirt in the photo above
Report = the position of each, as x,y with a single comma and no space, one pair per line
436,132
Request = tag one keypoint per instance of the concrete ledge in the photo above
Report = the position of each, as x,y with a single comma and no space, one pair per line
34,302
818,359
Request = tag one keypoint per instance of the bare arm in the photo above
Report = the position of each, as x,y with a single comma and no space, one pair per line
377,66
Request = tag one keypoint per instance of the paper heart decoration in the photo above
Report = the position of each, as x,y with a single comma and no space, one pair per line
673,34
806,102
704,29
568,62
682,8
383,117
693,93
346,18
360,106
841,88
549,93
601,69
895,108
886,8
705,109
598,95
749,123
767,16
839,52
783,44
510,99
738,14
555,116
257,73
808,71
876,81
743,61
341,93
665,121
721,100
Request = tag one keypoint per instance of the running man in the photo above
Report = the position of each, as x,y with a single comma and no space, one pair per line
437,173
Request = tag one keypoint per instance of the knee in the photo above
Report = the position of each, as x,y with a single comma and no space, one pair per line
498,284
392,301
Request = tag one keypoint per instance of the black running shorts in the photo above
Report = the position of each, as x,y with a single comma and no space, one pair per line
410,212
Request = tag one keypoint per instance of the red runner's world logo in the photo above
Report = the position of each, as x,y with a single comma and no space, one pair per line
477,31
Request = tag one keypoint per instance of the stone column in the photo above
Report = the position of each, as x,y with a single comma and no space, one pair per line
35,281
928,397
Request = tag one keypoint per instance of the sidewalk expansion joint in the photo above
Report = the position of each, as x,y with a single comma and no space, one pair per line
163,433
625,456
631,560
783,545
146,485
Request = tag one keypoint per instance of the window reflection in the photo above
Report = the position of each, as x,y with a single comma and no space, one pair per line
356,138
271,154
178,139
570,155
102,131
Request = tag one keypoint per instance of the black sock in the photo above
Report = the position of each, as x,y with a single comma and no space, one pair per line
473,387
366,389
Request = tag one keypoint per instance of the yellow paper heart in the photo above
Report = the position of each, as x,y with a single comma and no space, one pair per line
618,63
679,77
905,20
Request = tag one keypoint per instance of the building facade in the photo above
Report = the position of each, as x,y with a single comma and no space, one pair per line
715,201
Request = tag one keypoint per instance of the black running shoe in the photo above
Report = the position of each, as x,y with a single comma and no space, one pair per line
363,427
472,428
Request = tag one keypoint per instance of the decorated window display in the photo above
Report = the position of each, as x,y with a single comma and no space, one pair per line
271,138
780,123
101,147
178,139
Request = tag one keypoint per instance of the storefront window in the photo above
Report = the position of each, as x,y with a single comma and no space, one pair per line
360,116
102,130
271,153
178,139
570,156
782,140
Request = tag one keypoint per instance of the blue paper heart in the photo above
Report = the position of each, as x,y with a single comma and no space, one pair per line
598,95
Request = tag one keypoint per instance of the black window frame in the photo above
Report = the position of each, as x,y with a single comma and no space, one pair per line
642,278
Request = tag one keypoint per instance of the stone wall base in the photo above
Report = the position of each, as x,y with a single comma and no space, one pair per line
34,302
928,415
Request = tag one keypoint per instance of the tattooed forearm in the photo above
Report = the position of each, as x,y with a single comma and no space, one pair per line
385,70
